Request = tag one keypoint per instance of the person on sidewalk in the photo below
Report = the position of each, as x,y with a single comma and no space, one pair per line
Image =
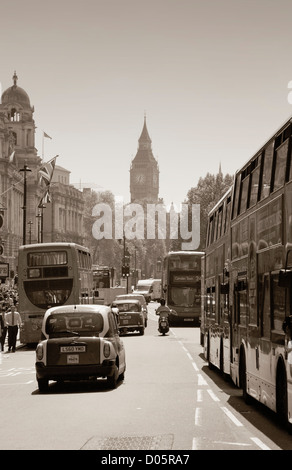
12,320
3,328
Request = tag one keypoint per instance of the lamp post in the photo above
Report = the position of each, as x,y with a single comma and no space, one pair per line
41,223
39,226
30,224
24,169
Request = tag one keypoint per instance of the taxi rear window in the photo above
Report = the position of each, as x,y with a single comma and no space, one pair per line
128,307
83,324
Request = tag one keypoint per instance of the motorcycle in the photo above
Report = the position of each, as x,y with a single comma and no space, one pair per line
163,325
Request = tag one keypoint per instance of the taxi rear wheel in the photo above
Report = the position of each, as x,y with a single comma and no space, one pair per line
43,385
112,380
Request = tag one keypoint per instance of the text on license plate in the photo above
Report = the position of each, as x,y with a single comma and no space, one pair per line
73,359
72,349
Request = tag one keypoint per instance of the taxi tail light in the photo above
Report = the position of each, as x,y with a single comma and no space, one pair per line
106,349
40,352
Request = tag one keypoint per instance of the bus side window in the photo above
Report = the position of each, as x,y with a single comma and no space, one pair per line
265,305
278,303
267,171
280,166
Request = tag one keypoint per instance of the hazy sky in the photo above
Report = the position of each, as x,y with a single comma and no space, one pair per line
212,77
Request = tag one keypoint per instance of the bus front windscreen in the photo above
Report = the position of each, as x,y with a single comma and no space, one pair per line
47,293
183,296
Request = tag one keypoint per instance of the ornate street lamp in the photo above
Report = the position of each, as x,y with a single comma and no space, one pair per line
24,169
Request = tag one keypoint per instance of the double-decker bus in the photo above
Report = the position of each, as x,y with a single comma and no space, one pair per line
49,275
103,277
215,287
181,285
248,278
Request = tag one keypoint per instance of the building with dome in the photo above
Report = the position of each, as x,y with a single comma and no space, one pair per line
20,189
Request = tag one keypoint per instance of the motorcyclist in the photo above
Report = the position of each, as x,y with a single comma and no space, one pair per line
163,309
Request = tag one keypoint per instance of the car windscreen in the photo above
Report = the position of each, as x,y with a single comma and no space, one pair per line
74,323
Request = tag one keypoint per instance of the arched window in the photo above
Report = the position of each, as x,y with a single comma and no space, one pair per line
14,115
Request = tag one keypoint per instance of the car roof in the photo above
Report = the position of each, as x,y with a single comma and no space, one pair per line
126,301
82,308
130,296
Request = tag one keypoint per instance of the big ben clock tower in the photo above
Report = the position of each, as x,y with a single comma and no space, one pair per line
144,171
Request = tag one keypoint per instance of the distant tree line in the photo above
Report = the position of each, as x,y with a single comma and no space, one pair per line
145,254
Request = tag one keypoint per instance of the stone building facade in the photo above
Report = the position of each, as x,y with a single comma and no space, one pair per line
61,220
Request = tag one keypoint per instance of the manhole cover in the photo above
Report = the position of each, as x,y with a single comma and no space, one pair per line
159,442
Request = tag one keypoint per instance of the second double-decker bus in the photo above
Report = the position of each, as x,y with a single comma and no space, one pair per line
103,277
49,275
181,285
248,279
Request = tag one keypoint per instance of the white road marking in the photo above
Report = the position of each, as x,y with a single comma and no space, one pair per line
259,443
231,416
228,413
213,395
201,380
199,395
198,417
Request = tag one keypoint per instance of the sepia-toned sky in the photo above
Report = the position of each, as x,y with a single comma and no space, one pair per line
211,76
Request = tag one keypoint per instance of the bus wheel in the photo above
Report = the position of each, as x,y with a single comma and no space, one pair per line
282,397
224,375
210,365
43,385
242,378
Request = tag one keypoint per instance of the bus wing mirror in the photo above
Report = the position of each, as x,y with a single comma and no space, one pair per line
285,278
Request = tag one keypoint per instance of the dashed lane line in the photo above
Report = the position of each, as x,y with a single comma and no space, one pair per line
226,411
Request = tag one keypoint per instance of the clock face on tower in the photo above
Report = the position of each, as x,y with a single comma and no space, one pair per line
140,178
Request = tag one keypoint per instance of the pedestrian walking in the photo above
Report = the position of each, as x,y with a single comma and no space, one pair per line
13,321
1,329
3,333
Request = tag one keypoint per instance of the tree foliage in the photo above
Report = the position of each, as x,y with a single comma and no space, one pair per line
207,193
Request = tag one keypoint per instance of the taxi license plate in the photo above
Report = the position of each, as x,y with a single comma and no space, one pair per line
73,359
125,322
72,349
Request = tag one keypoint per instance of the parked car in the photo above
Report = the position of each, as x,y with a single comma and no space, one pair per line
142,301
79,342
130,316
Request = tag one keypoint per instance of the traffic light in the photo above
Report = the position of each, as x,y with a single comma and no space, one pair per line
125,271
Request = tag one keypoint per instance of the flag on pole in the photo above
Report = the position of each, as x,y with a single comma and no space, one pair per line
46,171
11,158
46,198
46,135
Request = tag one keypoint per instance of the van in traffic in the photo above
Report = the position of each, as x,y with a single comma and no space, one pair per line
150,288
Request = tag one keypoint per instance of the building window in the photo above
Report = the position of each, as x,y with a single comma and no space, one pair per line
14,115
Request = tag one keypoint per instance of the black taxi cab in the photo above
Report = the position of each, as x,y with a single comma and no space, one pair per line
79,342
142,301
130,316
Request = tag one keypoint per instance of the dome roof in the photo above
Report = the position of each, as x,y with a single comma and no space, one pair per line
15,94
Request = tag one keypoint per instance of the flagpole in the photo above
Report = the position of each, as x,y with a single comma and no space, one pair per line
43,147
